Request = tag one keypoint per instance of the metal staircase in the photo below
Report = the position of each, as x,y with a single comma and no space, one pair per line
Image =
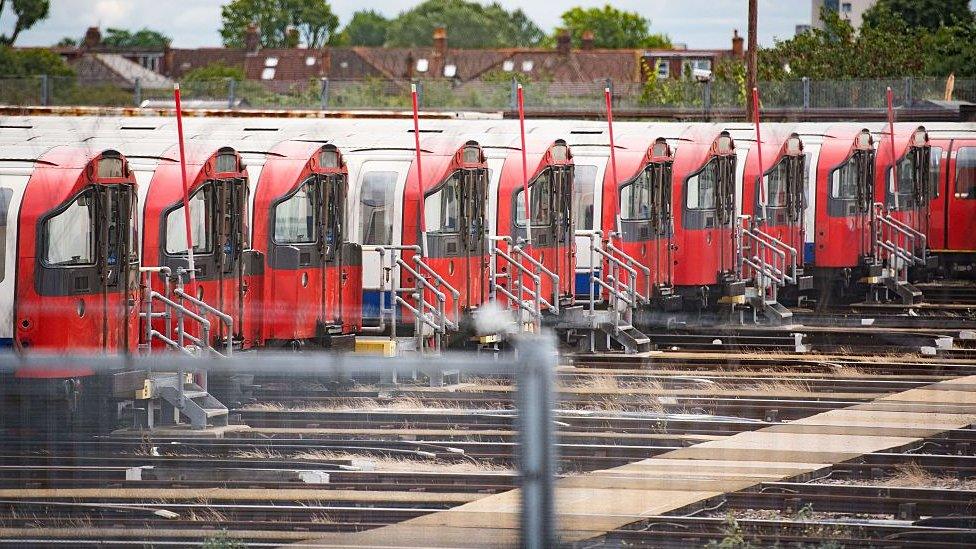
607,314
897,247
426,300
518,278
187,331
767,264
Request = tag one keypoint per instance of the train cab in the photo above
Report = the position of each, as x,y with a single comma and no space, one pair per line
952,199
431,215
549,239
904,184
69,220
638,212
703,206
311,288
225,266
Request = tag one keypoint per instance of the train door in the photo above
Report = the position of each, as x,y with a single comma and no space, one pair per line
77,286
588,178
231,205
646,223
850,197
473,195
709,211
909,192
960,195
785,199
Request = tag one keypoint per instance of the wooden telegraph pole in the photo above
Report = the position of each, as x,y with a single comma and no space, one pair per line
752,59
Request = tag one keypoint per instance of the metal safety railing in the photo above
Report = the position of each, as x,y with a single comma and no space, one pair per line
177,334
764,259
898,243
509,276
616,274
431,319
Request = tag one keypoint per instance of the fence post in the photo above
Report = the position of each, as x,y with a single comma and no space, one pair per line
513,95
231,92
324,94
44,97
908,92
537,446
806,92
137,92
707,97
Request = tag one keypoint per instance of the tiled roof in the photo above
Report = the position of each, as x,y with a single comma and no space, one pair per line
107,68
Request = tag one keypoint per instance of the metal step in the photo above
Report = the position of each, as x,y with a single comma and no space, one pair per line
908,293
196,404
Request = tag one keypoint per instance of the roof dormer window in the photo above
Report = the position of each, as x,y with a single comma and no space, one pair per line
309,61
508,65
450,71
271,62
527,65
422,65
268,73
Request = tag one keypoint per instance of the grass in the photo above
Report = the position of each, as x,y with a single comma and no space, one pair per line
363,404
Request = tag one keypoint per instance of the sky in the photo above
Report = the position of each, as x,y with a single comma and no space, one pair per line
194,23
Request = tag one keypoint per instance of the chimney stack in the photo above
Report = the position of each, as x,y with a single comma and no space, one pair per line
93,38
291,37
563,42
252,39
737,50
440,42
587,42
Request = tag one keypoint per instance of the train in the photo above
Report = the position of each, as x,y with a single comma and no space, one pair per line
322,233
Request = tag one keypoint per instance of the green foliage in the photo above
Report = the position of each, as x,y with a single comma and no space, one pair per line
734,538
66,42
142,38
313,19
27,14
222,541
952,50
838,52
612,28
468,24
30,62
667,92
214,71
366,28
928,14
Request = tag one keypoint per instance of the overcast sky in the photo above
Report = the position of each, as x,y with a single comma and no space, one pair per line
194,23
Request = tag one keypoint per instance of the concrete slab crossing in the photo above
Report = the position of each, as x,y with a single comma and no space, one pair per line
594,503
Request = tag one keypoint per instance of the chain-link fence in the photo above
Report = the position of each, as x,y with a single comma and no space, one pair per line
480,95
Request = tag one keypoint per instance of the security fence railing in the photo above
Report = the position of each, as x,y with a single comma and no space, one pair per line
486,95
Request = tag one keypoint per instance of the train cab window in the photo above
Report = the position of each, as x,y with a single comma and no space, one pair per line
935,170
843,183
70,233
635,198
966,173
584,181
701,188
5,195
296,217
776,185
442,208
899,193
540,198
200,228
376,207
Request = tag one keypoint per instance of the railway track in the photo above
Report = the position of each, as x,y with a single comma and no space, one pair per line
323,458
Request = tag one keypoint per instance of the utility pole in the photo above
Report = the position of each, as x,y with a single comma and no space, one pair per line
752,58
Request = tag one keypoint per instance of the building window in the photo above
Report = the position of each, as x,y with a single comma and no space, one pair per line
845,8
309,61
663,68
422,65
527,65
450,71
268,73
508,65
271,62
689,66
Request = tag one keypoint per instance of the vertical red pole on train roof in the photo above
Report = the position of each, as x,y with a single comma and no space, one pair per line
186,190
613,152
525,169
891,139
761,181
421,217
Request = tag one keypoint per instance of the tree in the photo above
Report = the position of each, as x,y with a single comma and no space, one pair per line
839,52
927,14
66,42
30,62
366,28
468,24
612,28
143,38
313,19
213,71
27,12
